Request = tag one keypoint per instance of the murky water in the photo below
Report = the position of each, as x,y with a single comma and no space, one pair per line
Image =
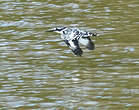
39,72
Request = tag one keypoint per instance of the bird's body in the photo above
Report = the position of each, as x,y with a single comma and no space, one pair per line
74,36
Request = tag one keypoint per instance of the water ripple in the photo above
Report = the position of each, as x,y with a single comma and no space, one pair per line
39,71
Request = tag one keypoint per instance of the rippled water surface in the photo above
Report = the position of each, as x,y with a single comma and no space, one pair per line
39,72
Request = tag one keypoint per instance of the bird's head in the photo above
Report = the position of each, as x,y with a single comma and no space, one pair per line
57,30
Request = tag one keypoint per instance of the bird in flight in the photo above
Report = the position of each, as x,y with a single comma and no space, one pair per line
73,37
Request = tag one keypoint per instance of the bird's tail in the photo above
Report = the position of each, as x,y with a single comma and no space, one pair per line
93,34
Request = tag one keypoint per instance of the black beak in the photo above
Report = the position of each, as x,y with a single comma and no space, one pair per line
50,31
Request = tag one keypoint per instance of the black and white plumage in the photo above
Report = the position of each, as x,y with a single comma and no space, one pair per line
74,36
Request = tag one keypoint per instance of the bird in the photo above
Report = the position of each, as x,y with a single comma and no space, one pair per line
73,37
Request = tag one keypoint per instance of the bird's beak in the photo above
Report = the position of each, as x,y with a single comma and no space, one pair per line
52,30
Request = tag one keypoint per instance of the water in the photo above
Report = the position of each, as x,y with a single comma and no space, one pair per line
38,71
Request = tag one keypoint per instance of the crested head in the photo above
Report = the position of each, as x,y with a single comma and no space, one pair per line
60,29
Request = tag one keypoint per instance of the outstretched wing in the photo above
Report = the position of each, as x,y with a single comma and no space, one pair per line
87,42
74,46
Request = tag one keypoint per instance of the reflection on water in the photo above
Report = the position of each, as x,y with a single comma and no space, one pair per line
38,71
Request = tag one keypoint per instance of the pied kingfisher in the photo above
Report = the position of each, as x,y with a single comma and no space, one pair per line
74,36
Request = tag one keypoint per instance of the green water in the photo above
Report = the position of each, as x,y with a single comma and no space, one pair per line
39,72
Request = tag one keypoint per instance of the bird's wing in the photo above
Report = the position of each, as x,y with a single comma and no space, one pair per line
87,42
74,46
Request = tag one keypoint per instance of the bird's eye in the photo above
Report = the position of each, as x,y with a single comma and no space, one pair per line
64,32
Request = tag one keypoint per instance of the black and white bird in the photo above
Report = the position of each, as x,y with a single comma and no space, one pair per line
74,36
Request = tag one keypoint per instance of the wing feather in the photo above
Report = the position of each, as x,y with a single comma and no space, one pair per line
74,46
87,42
